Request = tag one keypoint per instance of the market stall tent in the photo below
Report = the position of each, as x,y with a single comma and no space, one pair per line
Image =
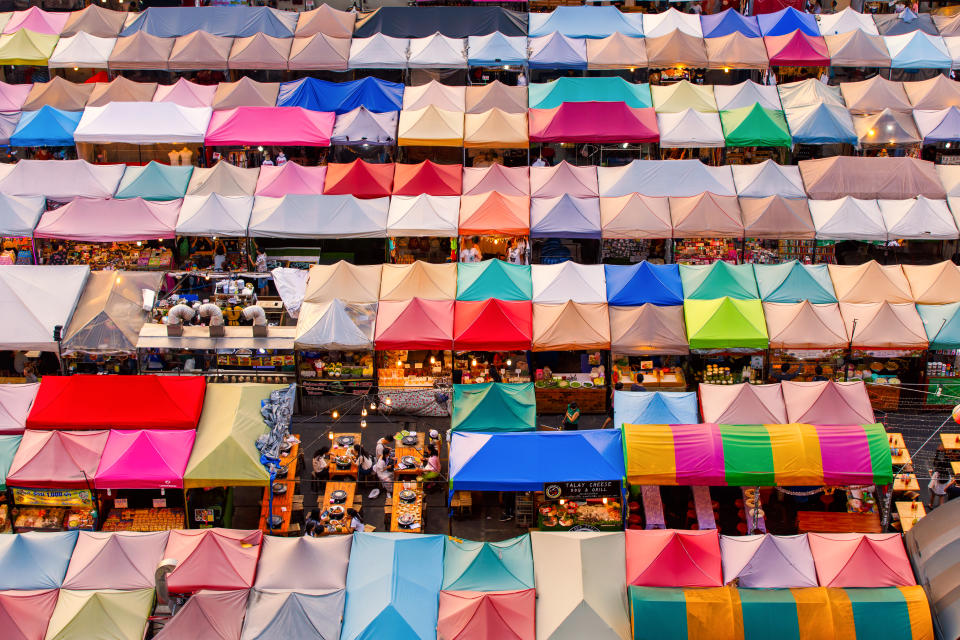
36,299
186,93
742,403
736,51
870,282
61,180
8,449
81,50
860,560
755,126
827,402
794,282
141,51
25,47
121,90
683,95
766,561
477,615
245,93
214,215
552,94
616,51
154,181
931,545
223,453
706,215
796,49
290,178
318,216
282,560
767,178
489,408
455,22
336,325
15,403
437,52
19,215
494,213
430,126
487,566
495,95
207,614
570,326
492,325
593,122
495,129
171,22
95,20
493,279
427,177
24,613
359,178
584,594
8,125
642,283
293,614
569,281
938,92
565,216
745,94
934,284
508,181
57,459
319,51
917,50
496,49
805,325
821,124
874,95
144,459
35,560
676,48
557,51
845,21
586,22
719,279
647,329
725,323
143,123
110,220
345,281
658,24
665,178
224,179
423,215
942,125
260,51
654,407
378,96
673,558
79,614
12,96
776,217
918,219
199,50
788,21
883,325
378,52
564,179
58,93
326,20
414,323
729,21
115,560
700,612
857,48
690,129
635,216
270,126
869,177
362,126
47,127
848,218
220,559
942,324
886,128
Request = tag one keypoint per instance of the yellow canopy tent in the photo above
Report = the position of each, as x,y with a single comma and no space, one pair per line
27,47
104,613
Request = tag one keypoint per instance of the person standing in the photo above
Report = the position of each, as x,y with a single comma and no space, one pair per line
321,470
571,419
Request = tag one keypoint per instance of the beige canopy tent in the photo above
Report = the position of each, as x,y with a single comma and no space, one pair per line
199,50
141,51
948,25
450,98
260,51
616,52
742,403
934,283
121,89
96,21
343,281
336,326
430,126
939,92
857,49
635,216
223,179
59,94
496,95
495,129
883,325
888,127
647,330
245,93
776,217
736,51
327,21
870,282
868,178
94,613
874,95
674,49
803,325
570,325
683,95
706,215
319,51
109,315
419,280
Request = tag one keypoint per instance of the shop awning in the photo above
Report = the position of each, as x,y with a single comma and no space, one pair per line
558,283
495,129
794,282
47,127
616,52
219,559
414,323
647,329
525,461
207,614
82,613
557,51
586,22
635,216
666,178
214,215
508,181
478,281
725,323
427,177
683,95
344,281
584,592
654,407
423,215
326,20
658,24
673,558
82,50
938,126
143,123
186,93
336,326
570,325
117,560
260,52
496,49
154,181
742,403
676,48
493,407
593,122
797,49
642,283
563,179
883,325
857,48
862,177
757,455
918,50
199,50
493,213
848,218
492,325
706,215
270,126
290,178
821,124
805,325
36,299
886,128
487,566
942,324
690,129
430,126
936,93
318,216
393,586
145,459
141,51
359,178
827,402
549,95
918,219
437,52
870,282
57,459
755,127
378,52
776,217
319,51
730,21
58,93
736,51
282,560
861,560
496,95
767,561
378,96
565,216
110,313
224,179
109,220
717,280
746,94
245,93
15,403
25,47
364,127
35,560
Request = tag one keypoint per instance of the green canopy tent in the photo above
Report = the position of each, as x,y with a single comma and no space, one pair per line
493,407
488,566
493,279
942,324
718,280
755,126
725,323
8,448
794,282
549,95
154,181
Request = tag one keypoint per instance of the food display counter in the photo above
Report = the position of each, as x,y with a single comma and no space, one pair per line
883,372
415,382
942,378
565,506
728,367
151,519
53,509
478,367
336,372
806,365
657,373
586,387
134,256
6,525
706,250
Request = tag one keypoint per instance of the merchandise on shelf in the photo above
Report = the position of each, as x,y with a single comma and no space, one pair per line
144,520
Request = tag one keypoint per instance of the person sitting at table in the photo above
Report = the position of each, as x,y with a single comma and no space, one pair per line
941,478
364,462
384,470
381,444
356,523
321,470
431,467
312,526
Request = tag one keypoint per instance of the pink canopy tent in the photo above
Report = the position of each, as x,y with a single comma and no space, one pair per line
742,404
144,459
508,181
208,615
270,125
290,178
186,93
797,49
827,402
860,560
120,560
15,403
673,558
109,220
219,559
37,20
477,615
59,459
24,614
12,96
593,122
564,179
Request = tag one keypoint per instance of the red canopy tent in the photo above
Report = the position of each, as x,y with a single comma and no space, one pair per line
479,615
593,122
493,213
24,614
673,558
427,177
360,179
118,402
219,559
797,49
270,125
492,325
58,459
414,324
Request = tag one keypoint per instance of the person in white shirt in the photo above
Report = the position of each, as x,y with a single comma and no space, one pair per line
470,253
355,522
539,162
384,471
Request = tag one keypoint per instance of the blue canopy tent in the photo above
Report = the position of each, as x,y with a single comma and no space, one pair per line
453,22
494,407
787,21
547,95
918,50
525,461
557,51
393,587
716,25
654,407
378,96
586,22
821,124
794,282
565,217
942,325
637,284
231,22
496,49
35,560
47,127
488,566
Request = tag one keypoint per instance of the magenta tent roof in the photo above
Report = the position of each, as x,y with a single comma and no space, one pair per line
144,459
109,220
797,49
270,125
827,402
593,122
290,178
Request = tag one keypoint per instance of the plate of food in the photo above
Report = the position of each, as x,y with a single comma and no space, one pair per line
338,497
408,441
279,488
346,441
550,522
336,512
276,521
408,496
547,510
574,385
588,385
406,520
408,461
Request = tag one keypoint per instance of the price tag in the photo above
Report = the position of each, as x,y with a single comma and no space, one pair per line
159,503
120,503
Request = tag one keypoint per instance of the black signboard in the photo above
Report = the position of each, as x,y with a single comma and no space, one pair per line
582,489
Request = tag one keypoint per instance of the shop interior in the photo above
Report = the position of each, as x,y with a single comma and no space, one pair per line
557,250
335,372
648,372
409,249
476,367
413,369
149,255
727,366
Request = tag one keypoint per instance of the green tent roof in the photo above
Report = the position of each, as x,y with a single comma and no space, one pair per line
494,406
8,448
755,127
488,566
493,279
794,282
155,181
942,324
710,281
552,94
725,323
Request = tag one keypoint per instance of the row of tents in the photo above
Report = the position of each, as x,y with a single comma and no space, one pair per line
425,586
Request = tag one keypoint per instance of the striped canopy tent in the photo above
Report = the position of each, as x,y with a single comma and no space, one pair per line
766,455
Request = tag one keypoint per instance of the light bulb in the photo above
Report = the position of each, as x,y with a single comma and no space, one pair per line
330,435
373,406
262,350
625,145
889,127
872,132
948,145
604,501
335,414
260,148
388,402
399,364
433,360
139,243
363,424
363,412
726,69
509,362
562,501
76,68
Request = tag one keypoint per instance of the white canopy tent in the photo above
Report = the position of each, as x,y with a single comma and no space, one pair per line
424,215
666,178
215,215
848,219
336,325
808,93
690,129
768,179
559,283
949,175
846,21
35,299
746,94
918,218
496,48
660,24
318,216
362,126
437,52
143,123
19,215
82,50
379,52
61,180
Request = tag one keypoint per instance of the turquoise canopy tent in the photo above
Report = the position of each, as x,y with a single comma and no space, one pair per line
794,282
47,127
488,566
493,279
8,449
655,407
549,95
942,325
718,280
494,406
154,181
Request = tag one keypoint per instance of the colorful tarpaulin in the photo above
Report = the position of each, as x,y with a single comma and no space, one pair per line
861,560
797,49
794,282
110,220
218,559
776,217
141,51
224,179
207,614
616,52
495,129
430,126
293,614
377,96
549,95
648,329
199,50
883,325
821,124
47,127
493,279
586,22
869,177
917,50
186,93
270,126
870,282
768,562
319,51
335,325
24,614
359,178
115,560
154,181
509,181
787,21
827,402
495,95
245,93
730,21
736,51
36,20
35,560
363,127
282,561
654,407
56,459
719,279
805,325
477,615
706,215
570,326
344,281
683,95
143,123
146,459
673,558
666,178
427,177
593,122
857,48
558,283
415,323
642,283
492,325
25,47
742,403
494,213
557,51
488,566
171,22
493,407
565,216
725,323
82,614
563,179
58,93
676,48
757,455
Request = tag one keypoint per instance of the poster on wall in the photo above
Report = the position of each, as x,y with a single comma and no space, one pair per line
581,506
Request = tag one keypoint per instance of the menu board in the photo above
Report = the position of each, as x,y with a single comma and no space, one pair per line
581,506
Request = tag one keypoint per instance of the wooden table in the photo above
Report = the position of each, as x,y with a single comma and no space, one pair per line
950,441
836,522
284,505
351,489
905,482
955,467
395,507
337,450
896,442
416,451
908,512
